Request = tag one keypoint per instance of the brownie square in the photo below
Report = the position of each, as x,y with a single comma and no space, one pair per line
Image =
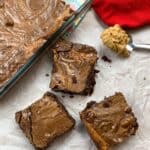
44,120
109,122
73,68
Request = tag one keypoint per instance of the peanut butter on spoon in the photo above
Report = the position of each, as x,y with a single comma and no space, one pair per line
116,39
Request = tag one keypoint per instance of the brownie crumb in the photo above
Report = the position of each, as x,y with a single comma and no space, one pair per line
96,71
63,96
47,75
71,96
106,59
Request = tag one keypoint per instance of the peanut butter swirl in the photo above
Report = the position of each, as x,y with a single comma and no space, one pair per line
25,26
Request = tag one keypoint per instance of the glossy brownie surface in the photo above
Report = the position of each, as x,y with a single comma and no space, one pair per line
44,120
110,121
73,67
25,26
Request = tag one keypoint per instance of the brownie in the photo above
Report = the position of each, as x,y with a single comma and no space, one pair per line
109,122
73,68
25,26
44,120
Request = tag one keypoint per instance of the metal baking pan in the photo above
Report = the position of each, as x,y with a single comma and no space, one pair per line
80,8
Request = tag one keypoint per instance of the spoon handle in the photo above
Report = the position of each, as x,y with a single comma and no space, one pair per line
141,46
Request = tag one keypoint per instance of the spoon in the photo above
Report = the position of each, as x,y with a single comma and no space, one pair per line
134,46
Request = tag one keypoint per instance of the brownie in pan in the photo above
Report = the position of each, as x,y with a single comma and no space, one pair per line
44,121
73,68
25,25
109,122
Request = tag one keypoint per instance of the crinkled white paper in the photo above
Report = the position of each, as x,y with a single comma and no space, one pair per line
130,76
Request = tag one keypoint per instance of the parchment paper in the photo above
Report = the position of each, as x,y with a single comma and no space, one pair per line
130,76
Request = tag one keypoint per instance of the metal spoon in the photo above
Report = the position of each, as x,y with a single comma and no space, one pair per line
134,46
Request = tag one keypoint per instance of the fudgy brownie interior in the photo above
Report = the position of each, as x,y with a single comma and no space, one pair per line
73,67
44,120
109,122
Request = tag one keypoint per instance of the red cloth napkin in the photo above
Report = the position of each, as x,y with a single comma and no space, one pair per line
127,13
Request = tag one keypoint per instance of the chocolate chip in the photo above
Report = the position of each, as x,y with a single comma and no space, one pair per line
74,79
55,87
106,59
9,21
136,125
59,82
9,24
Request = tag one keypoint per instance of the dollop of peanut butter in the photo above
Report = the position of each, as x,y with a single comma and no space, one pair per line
116,39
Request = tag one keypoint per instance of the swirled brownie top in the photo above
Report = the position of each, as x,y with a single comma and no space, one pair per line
73,67
45,120
25,26
109,122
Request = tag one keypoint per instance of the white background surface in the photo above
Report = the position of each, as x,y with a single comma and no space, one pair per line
125,75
